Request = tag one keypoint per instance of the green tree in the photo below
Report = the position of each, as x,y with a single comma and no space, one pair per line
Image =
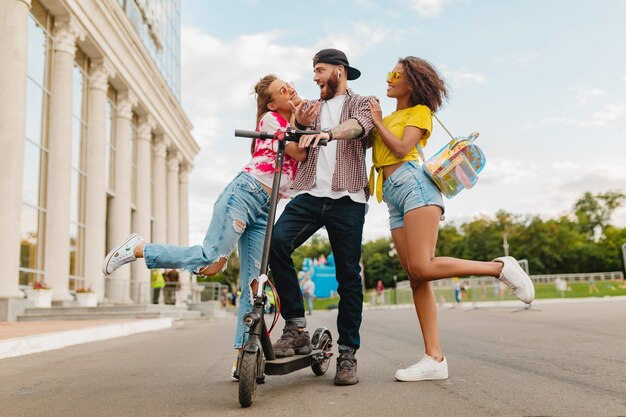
230,276
595,211
315,246
378,264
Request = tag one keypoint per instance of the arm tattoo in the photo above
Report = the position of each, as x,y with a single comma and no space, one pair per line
349,129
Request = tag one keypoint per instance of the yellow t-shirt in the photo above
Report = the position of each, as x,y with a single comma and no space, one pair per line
418,116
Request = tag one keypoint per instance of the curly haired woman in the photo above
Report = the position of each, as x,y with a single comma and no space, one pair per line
416,205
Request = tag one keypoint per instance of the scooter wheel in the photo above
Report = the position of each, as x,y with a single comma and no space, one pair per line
325,344
248,378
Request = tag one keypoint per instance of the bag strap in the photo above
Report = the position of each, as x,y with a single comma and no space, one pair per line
444,128
419,148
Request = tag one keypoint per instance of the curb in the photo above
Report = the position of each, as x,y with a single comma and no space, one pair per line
19,346
469,305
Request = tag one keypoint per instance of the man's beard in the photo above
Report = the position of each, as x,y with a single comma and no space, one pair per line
330,88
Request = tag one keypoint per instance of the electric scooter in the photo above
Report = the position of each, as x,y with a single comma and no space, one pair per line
257,357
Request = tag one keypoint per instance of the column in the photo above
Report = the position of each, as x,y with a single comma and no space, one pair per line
14,47
140,288
119,221
173,161
96,199
159,195
57,240
183,228
183,210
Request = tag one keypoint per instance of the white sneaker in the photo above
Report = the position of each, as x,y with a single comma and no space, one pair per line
122,254
425,370
516,279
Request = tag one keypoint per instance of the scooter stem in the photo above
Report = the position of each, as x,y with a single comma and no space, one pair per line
278,169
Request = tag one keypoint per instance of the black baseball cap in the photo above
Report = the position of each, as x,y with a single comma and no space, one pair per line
336,57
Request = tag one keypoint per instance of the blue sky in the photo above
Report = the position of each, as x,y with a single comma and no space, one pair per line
544,82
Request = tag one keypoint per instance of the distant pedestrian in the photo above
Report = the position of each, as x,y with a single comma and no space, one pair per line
457,290
157,281
171,286
380,291
308,292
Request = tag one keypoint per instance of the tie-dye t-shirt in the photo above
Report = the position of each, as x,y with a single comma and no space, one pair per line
261,166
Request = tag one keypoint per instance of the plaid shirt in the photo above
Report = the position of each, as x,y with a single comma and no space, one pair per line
350,173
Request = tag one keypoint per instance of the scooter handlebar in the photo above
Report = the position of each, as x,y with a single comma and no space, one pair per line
252,134
291,134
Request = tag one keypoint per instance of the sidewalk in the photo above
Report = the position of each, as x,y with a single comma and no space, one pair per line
23,338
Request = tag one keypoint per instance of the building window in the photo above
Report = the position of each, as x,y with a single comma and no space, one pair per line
79,172
35,146
157,22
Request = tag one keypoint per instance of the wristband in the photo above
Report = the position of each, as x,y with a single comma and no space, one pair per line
330,134
301,127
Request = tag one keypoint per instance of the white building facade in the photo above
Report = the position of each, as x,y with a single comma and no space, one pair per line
94,141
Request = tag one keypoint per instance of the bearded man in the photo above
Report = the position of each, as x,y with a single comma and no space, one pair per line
332,191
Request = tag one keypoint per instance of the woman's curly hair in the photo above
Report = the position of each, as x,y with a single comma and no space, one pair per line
427,86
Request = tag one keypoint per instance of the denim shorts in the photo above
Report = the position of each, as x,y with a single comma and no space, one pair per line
409,188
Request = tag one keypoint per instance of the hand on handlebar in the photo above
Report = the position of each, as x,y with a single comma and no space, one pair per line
311,141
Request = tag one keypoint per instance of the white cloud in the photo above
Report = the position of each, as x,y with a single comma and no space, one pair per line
610,114
565,166
589,94
217,80
518,59
218,77
360,38
366,4
505,171
427,8
460,77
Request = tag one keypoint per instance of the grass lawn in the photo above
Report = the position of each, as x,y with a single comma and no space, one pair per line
542,291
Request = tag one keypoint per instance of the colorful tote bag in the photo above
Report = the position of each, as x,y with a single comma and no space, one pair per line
455,166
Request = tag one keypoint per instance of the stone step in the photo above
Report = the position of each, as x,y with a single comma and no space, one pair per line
56,317
101,309
117,312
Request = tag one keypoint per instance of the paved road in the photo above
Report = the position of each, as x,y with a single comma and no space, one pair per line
566,360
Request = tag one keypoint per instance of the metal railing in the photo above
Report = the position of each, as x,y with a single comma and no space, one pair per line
211,291
123,290
581,277
476,289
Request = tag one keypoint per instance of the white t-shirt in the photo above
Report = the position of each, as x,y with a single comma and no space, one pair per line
327,155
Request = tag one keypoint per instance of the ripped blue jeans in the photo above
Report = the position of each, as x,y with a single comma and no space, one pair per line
239,216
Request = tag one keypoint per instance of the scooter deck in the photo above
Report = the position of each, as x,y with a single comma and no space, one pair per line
283,366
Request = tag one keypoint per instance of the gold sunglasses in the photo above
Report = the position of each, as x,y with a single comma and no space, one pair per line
393,76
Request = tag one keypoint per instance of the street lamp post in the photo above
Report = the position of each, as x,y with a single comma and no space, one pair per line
505,244
395,289
624,255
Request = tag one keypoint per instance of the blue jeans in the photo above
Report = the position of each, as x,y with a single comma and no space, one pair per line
343,219
243,200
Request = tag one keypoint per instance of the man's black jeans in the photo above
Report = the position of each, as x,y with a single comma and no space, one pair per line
343,219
